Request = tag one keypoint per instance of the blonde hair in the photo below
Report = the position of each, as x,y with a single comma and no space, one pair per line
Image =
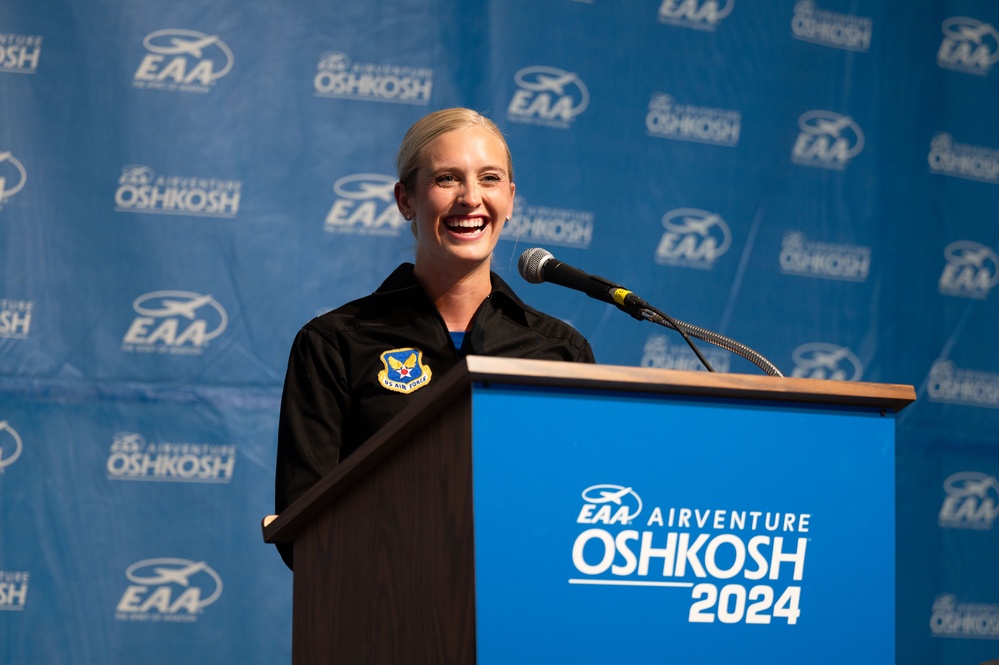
432,125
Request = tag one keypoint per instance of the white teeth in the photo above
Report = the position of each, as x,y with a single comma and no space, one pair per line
466,224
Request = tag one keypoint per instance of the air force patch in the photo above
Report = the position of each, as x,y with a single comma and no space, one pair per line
404,370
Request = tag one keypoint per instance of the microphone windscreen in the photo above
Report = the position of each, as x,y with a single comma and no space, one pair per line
530,264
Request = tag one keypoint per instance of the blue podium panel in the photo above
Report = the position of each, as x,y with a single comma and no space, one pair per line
623,528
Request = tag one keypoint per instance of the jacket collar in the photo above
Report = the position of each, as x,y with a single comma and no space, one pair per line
403,280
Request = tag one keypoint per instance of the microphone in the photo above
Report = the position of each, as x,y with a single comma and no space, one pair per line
537,265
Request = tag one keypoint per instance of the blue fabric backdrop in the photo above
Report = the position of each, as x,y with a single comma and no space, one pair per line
184,184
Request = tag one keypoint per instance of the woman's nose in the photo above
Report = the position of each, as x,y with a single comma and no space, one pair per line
471,195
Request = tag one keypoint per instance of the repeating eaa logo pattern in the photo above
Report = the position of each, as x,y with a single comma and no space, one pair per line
827,28
168,589
685,122
10,445
827,140
971,501
971,270
969,387
549,225
964,620
337,76
19,54
961,160
821,360
179,322
15,318
695,14
969,46
547,96
14,590
365,205
808,258
12,176
182,60
692,238
141,190
133,458
660,353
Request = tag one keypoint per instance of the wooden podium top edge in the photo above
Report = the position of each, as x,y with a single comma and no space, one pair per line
894,397
515,371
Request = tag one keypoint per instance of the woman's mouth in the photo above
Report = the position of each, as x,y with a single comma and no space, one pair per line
465,225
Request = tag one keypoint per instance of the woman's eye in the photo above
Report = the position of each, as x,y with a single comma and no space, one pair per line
446,180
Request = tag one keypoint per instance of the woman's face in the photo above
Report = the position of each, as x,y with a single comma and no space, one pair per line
461,197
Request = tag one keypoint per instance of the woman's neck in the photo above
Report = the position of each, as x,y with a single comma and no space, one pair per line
457,295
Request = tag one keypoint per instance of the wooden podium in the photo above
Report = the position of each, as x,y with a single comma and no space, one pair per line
533,511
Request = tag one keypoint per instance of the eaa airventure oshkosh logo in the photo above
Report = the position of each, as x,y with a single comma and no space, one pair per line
15,318
19,54
141,190
971,271
547,96
14,589
685,122
819,26
808,258
553,226
661,354
10,445
970,387
961,160
692,238
182,60
820,360
695,14
968,46
827,140
715,553
971,501
167,589
12,176
338,77
952,618
365,205
132,458
179,322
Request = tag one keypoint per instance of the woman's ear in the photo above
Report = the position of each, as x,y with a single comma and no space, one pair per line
403,201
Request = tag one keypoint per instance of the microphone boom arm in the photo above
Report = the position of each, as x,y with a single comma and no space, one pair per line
654,315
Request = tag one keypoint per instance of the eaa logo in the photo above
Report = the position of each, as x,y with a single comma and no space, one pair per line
827,140
972,270
14,589
19,54
365,206
609,504
10,445
12,176
972,501
15,318
693,238
696,14
168,590
547,96
182,60
819,360
968,46
174,322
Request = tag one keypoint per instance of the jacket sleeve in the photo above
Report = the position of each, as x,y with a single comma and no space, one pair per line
313,403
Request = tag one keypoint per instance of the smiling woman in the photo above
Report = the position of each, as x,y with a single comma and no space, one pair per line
354,368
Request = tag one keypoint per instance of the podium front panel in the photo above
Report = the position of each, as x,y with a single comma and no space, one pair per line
634,528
